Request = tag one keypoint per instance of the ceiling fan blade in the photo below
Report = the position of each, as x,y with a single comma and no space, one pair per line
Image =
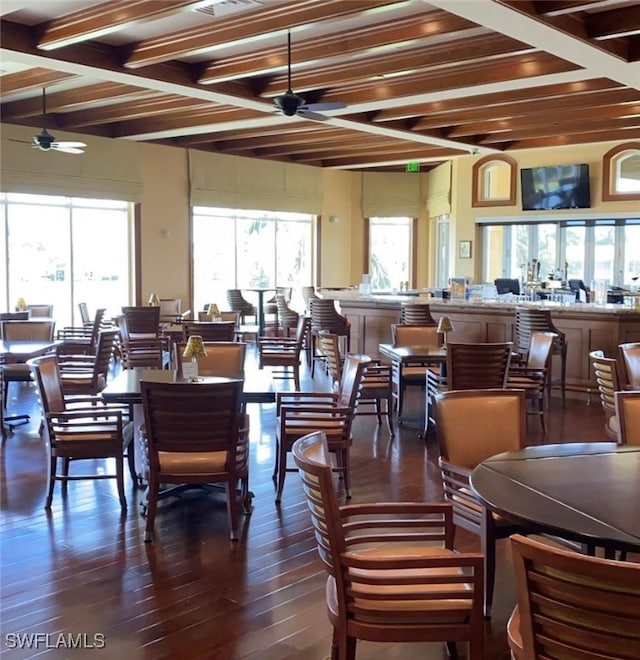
66,149
66,143
323,107
307,114
20,141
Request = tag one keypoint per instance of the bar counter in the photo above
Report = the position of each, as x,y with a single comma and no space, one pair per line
587,326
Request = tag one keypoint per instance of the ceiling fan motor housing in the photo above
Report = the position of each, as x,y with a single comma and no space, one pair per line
45,140
289,103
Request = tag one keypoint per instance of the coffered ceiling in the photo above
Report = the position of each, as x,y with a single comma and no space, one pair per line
420,81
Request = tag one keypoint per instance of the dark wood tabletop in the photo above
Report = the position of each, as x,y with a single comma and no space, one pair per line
125,387
586,492
412,354
21,350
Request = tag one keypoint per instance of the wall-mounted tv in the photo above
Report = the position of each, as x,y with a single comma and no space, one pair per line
557,187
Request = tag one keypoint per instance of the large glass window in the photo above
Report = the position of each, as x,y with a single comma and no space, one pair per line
248,248
64,251
588,250
390,247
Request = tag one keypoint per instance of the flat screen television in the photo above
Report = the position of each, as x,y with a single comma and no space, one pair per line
557,187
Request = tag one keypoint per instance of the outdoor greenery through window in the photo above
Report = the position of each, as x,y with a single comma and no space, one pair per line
390,244
62,251
240,249
602,249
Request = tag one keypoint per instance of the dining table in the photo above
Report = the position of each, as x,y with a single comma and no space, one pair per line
14,351
414,356
588,492
124,388
260,291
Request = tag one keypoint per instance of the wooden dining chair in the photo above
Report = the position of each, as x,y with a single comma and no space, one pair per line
533,376
223,358
82,339
630,365
36,311
194,436
300,413
392,573
605,370
414,374
210,330
572,605
471,426
416,314
627,405
283,354
81,429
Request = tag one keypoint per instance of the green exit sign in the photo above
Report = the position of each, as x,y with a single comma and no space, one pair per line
413,166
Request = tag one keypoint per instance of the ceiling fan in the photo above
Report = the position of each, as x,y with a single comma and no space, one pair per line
291,104
47,142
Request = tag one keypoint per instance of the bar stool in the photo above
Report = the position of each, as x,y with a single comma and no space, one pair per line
416,314
539,320
325,316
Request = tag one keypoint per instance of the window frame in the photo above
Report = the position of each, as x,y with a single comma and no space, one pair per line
609,167
478,173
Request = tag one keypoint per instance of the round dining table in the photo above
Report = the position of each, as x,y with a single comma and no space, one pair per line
584,492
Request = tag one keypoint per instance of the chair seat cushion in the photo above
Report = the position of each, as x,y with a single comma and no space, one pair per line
397,610
192,463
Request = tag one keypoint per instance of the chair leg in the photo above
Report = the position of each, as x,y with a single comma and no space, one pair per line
232,510
53,467
488,549
65,472
120,482
151,506
131,462
296,377
282,471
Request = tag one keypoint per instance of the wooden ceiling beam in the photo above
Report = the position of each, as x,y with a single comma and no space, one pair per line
494,101
204,39
558,7
611,135
420,26
88,95
621,22
423,59
105,18
562,128
518,112
25,81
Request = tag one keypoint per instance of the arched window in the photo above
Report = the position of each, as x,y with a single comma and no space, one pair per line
621,173
494,181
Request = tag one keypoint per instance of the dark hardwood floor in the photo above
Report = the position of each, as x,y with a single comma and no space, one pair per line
192,593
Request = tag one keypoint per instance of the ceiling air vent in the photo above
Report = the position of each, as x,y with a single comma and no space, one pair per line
227,7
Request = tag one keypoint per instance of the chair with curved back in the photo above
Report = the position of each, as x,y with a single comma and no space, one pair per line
472,425
87,374
86,430
628,416
287,317
223,358
141,322
376,385
325,317
85,318
300,413
170,310
271,305
392,573
210,330
606,373
572,605
413,374
416,314
630,365
308,294
77,340
36,311
533,376
530,320
283,353
194,437
237,303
